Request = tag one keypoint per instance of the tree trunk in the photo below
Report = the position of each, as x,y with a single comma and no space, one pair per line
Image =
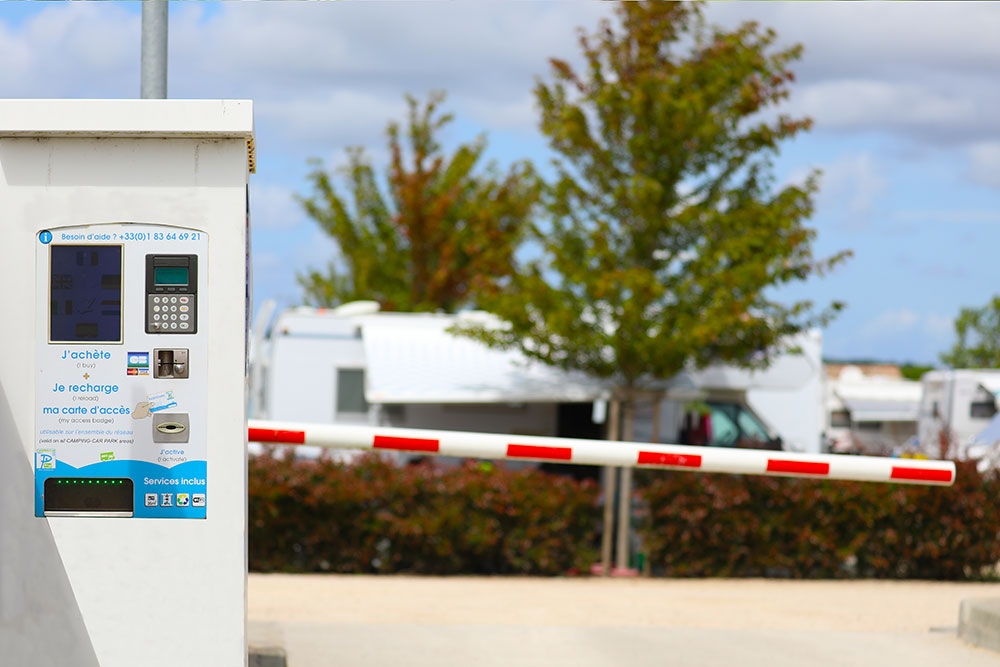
625,489
609,477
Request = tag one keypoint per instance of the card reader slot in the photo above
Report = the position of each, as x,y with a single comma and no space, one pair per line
171,428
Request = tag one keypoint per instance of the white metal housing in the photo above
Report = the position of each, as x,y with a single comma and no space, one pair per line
109,591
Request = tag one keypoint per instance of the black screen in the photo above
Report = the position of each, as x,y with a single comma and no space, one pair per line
85,294
170,275
86,494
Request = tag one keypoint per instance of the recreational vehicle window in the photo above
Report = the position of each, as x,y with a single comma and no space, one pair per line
840,419
982,409
751,428
351,391
869,426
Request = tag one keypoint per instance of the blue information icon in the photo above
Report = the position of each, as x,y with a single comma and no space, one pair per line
45,237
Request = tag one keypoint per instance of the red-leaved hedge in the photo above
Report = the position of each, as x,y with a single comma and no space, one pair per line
370,516
373,517
740,526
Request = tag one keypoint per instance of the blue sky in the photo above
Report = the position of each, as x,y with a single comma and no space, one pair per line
904,98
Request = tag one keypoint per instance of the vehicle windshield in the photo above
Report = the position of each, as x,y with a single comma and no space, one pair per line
733,426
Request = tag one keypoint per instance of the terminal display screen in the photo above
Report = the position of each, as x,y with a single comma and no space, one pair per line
85,294
170,275
89,495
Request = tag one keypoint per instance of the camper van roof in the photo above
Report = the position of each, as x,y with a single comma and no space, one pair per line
413,358
880,389
988,378
992,383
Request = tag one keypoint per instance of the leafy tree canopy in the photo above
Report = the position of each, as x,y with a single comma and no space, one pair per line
665,235
914,371
437,235
978,334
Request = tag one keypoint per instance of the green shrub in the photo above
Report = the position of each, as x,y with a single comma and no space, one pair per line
373,517
738,526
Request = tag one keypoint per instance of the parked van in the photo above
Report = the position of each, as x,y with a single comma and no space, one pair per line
956,406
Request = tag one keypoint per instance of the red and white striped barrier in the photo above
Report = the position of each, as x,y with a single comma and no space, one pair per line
604,452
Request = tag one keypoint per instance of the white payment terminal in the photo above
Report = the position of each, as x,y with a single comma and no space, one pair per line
122,219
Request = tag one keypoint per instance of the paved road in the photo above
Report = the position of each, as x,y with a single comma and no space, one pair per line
358,620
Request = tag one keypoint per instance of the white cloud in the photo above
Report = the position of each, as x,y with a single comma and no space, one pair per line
985,162
890,323
274,206
901,40
519,112
275,268
339,117
336,72
945,216
924,72
264,260
322,73
897,322
852,187
921,110
317,252
72,50
939,327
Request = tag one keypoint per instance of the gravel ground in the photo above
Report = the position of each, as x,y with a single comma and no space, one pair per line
392,620
885,606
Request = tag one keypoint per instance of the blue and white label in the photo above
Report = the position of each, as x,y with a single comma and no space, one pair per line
102,410
45,459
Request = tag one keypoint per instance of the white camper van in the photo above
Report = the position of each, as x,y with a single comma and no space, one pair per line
956,406
870,409
354,364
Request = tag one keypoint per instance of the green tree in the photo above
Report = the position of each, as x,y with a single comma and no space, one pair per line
665,236
978,333
444,229
915,372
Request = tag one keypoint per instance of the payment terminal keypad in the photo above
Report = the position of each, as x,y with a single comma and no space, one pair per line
170,313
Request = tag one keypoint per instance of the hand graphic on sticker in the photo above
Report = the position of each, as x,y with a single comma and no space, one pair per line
141,410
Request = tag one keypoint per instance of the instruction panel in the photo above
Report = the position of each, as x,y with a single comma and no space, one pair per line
121,395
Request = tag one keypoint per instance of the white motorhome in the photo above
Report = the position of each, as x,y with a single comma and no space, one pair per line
872,412
956,406
354,364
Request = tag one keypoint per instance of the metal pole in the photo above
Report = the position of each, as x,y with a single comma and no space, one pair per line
625,492
610,476
153,69
655,437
